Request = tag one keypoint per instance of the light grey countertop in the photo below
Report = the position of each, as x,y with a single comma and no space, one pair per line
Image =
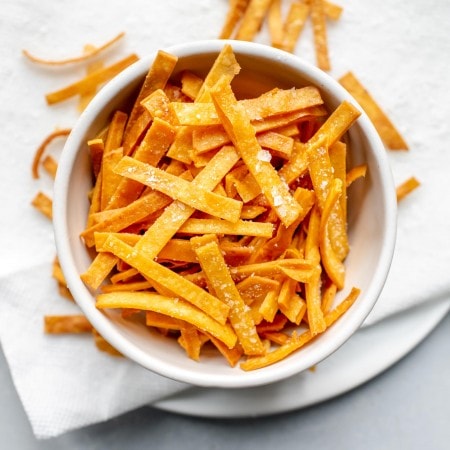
406,407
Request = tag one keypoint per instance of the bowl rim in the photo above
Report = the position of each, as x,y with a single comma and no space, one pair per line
84,298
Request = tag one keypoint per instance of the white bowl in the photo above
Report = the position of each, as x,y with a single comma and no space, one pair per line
372,216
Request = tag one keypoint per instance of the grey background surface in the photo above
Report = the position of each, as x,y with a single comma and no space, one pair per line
407,407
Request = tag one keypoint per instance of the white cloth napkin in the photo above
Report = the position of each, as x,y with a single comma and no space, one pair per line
64,382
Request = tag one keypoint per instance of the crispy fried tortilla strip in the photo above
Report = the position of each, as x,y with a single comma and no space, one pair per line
191,340
93,51
235,12
86,97
41,149
173,307
94,79
275,23
214,266
387,130
320,34
174,250
322,174
98,270
208,138
269,306
112,154
295,342
122,218
252,20
128,286
331,131
151,150
43,204
293,26
96,149
269,269
332,10
407,187
159,320
157,104
292,344
331,262
242,134
217,226
272,103
328,296
354,173
50,166
190,84
278,144
66,324
224,66
163,229
344,306
179,189
338,159
253,289
232,355
177,284
103,345
156,78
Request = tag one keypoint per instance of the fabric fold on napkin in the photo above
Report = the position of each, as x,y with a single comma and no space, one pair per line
65,382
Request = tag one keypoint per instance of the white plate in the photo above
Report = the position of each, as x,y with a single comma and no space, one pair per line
369,352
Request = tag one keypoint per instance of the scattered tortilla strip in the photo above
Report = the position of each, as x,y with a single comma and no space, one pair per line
176,308
332,10
86,97
94,51
103,345
41,149
252,20
320,34
293,26
407,187
234,14
50,166
94,79
388,133
275,23
66,324
44,204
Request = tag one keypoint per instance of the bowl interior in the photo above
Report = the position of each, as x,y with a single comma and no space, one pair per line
371,215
